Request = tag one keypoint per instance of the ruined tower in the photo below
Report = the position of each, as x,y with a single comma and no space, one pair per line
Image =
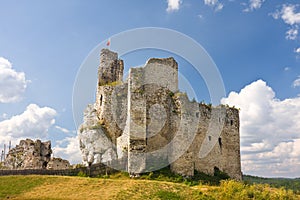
110,69
148,123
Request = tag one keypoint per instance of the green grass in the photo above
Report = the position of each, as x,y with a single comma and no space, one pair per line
166,195
14,185
120,186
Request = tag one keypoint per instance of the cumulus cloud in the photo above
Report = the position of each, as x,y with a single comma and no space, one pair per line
215,4
12,83
34,122
291,17
296,82
297,50
270,131
254,5
173,5
68,148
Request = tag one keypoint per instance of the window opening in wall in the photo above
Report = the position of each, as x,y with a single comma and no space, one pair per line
101,100
44,164
209,138
231,122
220,142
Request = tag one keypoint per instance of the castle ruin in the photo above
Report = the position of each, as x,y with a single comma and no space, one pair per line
29,154
145,123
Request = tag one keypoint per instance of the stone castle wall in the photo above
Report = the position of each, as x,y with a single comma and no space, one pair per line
95,170
57,164
147,121
210,150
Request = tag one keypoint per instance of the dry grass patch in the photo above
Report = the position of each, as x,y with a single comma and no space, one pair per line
123,188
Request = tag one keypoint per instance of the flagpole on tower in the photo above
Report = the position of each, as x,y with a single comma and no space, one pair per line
108,43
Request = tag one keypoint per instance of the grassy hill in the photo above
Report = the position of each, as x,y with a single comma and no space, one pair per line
287,183
119,186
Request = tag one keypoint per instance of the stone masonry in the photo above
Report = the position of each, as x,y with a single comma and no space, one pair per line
147,122
29,154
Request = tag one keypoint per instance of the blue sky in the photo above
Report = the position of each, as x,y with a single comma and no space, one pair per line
255,45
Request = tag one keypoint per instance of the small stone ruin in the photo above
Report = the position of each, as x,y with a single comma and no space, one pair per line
29,154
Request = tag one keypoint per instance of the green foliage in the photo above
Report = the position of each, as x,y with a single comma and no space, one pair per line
2,166
82,174
141,91
119,175
178,94
115,83
231,189
171,94
166,174
162,194
76,166
98,125
220,175
286,183
106,176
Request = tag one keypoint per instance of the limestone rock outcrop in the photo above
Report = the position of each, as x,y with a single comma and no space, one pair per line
29,154
95,145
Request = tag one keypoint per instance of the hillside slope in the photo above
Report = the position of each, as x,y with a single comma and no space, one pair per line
59,187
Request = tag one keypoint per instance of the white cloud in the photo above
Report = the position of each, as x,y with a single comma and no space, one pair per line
33,123
4,116
270,131
173,5
64,130
296,82
254,5
200,16
292,34
12,83
297,50
215,4
287,69
291,17
68,149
